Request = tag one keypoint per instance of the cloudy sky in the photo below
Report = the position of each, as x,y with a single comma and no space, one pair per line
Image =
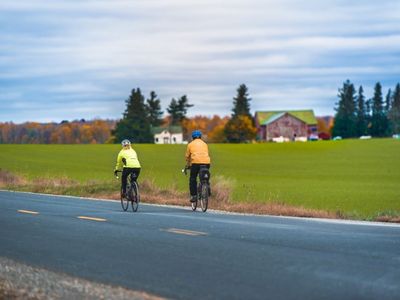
77,59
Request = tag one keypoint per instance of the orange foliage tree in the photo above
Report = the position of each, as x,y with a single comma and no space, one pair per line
76,132
212,128
241,129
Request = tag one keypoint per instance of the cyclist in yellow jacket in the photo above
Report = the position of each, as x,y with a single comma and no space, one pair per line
196,155
127,160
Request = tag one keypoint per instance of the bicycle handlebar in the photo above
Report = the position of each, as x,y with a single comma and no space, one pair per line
116,174
184,170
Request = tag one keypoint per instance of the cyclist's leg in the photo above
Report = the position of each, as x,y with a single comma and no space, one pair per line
208,180
135,173
124,179
194,171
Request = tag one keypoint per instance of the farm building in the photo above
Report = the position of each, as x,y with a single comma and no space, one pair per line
168,135
286,125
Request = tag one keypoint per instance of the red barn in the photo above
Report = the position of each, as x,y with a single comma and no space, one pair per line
290,125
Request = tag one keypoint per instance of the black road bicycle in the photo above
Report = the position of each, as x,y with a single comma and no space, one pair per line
132,193
203,188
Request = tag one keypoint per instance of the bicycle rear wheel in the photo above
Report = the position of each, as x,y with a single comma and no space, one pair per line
204,197
124,201
194,204
135,196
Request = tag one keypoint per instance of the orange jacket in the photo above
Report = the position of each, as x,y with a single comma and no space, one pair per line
197,152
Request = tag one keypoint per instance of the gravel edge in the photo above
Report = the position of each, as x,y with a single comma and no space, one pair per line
20,281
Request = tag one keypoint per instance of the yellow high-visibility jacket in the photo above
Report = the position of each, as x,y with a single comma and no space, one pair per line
130,158
197,153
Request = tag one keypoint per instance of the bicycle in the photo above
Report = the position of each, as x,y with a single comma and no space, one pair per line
132,193
203,188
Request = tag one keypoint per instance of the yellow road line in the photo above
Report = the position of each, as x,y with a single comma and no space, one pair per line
28,212
92,219
184,231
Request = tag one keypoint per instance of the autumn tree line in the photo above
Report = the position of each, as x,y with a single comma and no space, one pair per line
141,115
355,116
75,132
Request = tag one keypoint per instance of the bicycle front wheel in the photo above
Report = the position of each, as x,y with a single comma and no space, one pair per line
135,196
204,197
124,202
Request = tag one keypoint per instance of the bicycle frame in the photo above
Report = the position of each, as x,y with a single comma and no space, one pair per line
203,188
132,193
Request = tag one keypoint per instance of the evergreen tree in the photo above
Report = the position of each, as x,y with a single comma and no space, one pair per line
178,109
388,104
153,108
361,113
173,110
394,112
134,125
368,116
183,105
241,103
240,128
345,118
378,118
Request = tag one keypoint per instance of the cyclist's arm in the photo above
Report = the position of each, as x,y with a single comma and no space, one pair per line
187,156
118,166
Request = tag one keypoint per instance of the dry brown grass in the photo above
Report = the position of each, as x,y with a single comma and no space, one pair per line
221,200
41,185
390,219
9,179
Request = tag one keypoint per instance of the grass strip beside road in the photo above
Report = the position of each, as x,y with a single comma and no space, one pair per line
356,179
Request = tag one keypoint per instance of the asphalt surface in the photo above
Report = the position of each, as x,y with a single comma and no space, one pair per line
180,254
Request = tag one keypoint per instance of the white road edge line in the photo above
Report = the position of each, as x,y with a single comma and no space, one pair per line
184,231
28,212
221,212
92,218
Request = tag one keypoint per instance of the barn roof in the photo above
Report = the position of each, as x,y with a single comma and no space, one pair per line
171,129
266,117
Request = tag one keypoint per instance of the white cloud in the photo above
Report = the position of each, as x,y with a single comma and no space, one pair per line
85,50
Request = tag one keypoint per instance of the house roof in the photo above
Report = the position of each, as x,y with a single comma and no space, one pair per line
266,117
171,129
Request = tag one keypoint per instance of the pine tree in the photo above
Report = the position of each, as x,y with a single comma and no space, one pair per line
394,112
134,125
240,128
178,109
153,108
345,118
368,117
361,113
388,103
378,118
241,103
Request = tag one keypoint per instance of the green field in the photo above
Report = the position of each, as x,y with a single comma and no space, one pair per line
357,177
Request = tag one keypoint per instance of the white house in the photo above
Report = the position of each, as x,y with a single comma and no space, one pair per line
168,135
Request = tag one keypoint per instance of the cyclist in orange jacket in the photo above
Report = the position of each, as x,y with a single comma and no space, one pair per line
196,155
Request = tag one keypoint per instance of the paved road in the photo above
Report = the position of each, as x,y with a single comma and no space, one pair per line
175,253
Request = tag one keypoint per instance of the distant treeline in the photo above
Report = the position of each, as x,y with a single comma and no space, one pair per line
75,132
356,116
97,131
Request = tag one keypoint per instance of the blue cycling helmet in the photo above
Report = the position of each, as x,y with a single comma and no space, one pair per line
196,134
